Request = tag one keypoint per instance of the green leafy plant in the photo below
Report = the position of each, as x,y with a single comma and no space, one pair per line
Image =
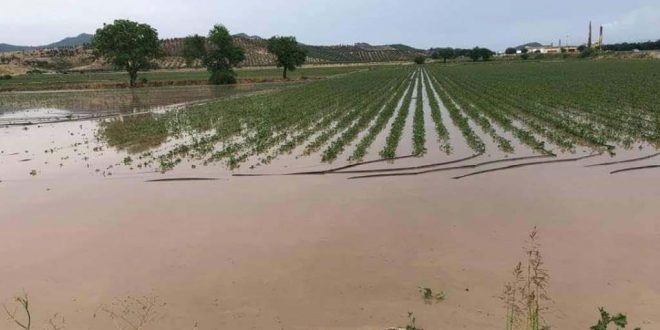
620,321
430,297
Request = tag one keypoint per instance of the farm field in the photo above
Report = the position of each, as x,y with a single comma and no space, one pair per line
247,207
80,80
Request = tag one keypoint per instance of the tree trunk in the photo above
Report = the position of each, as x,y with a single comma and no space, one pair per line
445,60
133,77
284,74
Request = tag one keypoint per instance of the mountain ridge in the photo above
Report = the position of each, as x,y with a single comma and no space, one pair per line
79,40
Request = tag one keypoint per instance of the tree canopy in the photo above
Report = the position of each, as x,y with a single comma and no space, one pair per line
289,54
443,53
194,48
222,55
128,45
510,51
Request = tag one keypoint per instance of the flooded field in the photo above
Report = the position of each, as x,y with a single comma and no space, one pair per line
329,204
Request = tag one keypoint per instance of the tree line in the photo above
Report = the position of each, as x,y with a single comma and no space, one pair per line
475,54
132,46
629,46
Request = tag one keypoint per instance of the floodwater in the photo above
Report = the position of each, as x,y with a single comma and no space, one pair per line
80,228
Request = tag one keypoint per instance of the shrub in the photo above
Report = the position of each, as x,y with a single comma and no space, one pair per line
420,59
586,53
5,77
524,56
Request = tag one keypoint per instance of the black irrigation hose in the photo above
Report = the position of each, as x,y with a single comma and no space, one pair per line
182,179
630,169
396,169
332,170
625,161
526,164
450,168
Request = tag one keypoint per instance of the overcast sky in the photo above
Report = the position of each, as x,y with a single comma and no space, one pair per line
428,23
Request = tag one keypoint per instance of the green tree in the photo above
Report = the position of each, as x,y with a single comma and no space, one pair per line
445,54
486,53
510,51
222,56
128,45
289,54
420,59
194,48
475,54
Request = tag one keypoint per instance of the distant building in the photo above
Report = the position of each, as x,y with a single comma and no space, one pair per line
551,49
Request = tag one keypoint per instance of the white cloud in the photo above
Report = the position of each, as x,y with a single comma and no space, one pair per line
637,25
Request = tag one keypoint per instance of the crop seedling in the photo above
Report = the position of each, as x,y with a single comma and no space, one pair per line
430,297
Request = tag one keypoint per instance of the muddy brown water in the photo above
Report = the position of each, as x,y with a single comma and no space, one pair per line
321,251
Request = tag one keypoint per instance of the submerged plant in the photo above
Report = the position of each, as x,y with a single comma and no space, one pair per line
24,303
524,297
618,320
430,297
411,322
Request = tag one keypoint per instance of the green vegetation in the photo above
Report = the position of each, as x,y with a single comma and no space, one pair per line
595,104
419,131
129,45
436,115
420,59
222,56
392,141
618,320
544,106
112,79
288,53
430,297
194,48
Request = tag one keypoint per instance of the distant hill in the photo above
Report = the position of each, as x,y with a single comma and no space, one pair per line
257,53
76,41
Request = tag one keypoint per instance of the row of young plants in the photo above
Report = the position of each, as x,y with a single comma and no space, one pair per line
595,103
460,121
476,116
381,121
556,121
357,110
486,108
436,115
419,131
366,118
232,130
396,130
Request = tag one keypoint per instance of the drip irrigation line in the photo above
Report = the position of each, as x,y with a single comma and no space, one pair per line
182,179
450,168
626,161
526,164
630,169
332,170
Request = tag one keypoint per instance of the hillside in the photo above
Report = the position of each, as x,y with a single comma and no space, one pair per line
257,54
76,41
67,54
